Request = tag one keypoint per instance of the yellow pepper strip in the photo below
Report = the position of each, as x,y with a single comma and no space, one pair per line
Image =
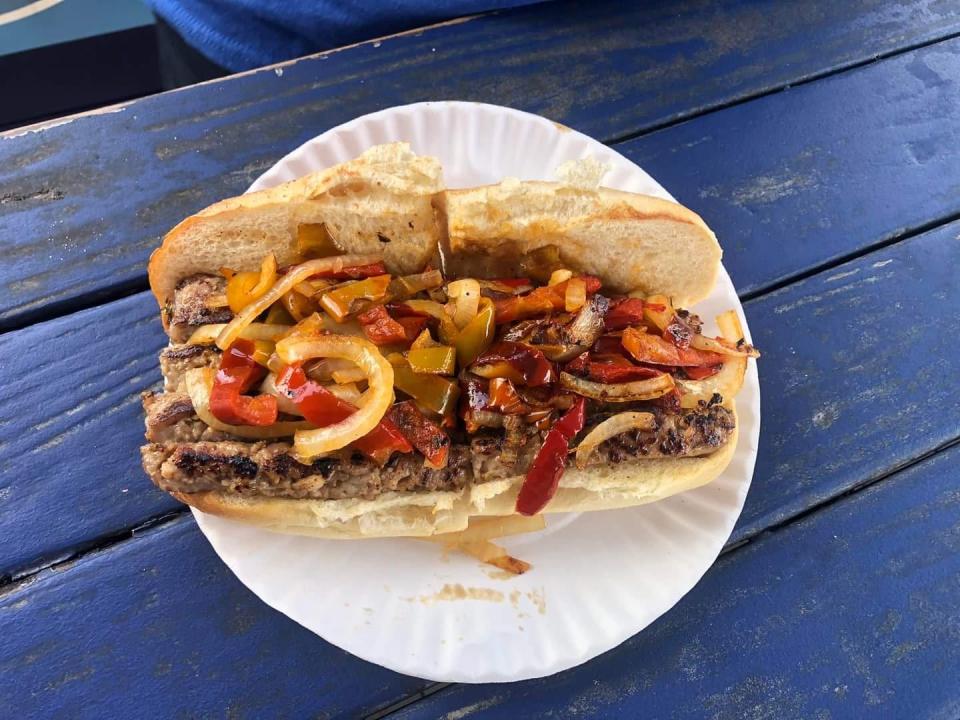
262,351
424,340
440,360
315,241
477,335
431,392
344,300
245,287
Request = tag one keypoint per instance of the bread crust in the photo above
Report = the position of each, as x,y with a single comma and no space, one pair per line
632,242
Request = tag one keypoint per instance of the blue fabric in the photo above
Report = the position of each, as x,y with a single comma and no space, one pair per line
244,34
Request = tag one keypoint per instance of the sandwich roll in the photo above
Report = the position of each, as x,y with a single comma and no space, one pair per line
363,353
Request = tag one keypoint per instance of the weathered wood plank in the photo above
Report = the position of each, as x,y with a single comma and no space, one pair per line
833,379
848,613
804,177
71,422
858,374
158,627
82,204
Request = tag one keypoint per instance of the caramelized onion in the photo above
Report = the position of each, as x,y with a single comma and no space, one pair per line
294,276
207,334
619,392
363,353
619,423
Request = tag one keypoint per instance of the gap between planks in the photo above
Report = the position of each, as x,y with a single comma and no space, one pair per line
775,89
781,525
105,295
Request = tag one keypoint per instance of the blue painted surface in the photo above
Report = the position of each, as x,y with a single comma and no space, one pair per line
809,175
72,425
83,203
158,627
850,613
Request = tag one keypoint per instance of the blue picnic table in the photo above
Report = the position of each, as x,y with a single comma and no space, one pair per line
818,139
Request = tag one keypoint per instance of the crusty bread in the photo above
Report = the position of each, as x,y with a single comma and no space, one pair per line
387,193
634,242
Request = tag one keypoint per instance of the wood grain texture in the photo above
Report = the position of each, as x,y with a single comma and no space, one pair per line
858,374
158,627
795,180
833,381
850,613
82,203
70,426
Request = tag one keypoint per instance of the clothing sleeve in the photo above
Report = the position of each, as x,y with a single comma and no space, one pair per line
244,34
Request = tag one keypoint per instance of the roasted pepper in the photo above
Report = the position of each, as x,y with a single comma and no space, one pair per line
431,392
542,301
517,362
439,360
656,351
423,434
476,335
504,398
619,370
626,313
315,241
237,374
382,329
245,287
543,477
346,299
321,407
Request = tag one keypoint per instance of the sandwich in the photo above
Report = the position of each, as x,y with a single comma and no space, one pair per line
363,353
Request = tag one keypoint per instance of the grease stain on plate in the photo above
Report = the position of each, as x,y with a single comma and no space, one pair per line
456,591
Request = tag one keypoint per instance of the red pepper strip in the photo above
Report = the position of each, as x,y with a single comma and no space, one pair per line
608,345
624,313
543,478
412,326
657,351
541,301
699,373
505,399
423,434
609,371
321,407
238,373
354,273
515,361
382,329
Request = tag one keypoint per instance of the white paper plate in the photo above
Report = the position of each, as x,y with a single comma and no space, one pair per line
597,578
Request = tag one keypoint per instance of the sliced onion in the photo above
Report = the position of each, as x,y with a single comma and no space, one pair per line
379,374
587,326
728,381
619,423
294,275
559,276
347,392
207,334
576,294
350,375
199,382
465,295
619,392
448,329
285,404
